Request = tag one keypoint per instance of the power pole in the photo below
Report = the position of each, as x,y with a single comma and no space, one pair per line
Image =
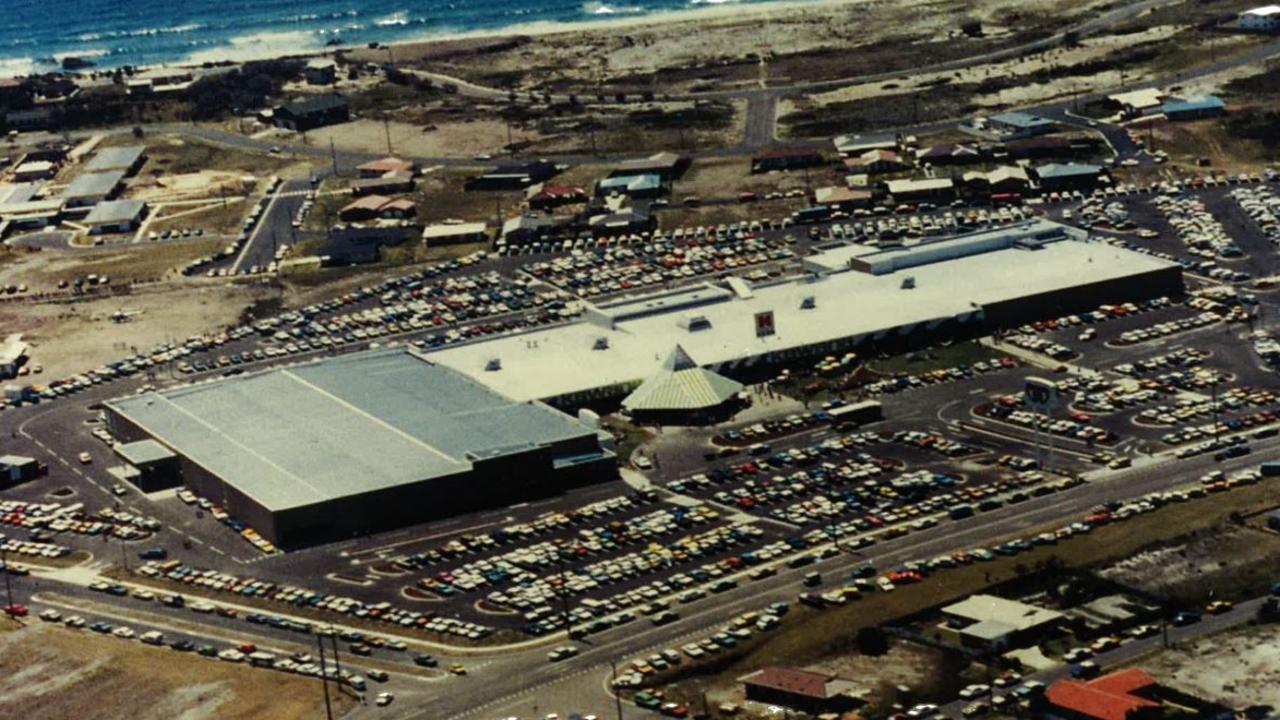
324,678
333,153
337,662
386,126
8,586
617,698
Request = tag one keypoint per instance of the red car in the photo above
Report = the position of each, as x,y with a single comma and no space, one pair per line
16,610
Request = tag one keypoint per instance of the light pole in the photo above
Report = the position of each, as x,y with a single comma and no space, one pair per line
8,586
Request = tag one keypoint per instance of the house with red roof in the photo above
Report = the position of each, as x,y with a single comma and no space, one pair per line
803,690
1129,694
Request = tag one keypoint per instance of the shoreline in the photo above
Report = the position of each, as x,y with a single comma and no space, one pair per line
241,49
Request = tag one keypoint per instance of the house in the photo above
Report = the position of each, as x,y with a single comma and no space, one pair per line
311,113
875,162
802,690
948,154
633,186
1055,177
843,198
33,119
389,184
668,165
451,233
1002,180
531,227
786,159
925,190
1208,106
320,71
623,222
160,80
1020,125
1137,102
382,166
33,170
17,468
115,216
995,623
547,197
514,177
850,145
1128,694
1261,19
89,189
373,207
13,353
1040,147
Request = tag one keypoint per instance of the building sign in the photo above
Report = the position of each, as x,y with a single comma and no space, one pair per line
1040,394
764,323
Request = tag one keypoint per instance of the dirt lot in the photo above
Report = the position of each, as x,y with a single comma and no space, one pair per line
1238,669
453,139
1227,562
53,673
69,338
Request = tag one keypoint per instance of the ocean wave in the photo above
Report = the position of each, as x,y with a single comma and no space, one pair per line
141,32
259,46
712,2
13,67
599,8
90,53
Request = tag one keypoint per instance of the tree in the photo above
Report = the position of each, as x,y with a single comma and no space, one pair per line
872,641
1071,38
137,131
971,27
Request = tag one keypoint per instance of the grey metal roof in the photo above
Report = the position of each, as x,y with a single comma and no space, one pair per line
114,212
94,184
143,452
343,426
116,158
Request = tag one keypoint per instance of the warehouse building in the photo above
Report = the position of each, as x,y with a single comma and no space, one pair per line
116,216
350,445
898,298
89,189
129,159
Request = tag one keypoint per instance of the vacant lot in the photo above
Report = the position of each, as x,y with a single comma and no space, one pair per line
1237,669
51,673
1230,561
70,338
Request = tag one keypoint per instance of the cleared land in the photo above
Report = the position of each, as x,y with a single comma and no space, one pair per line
52,673
1237,669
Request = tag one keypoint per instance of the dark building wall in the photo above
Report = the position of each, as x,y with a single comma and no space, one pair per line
1167,282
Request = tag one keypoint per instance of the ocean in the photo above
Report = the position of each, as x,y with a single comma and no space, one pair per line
112,33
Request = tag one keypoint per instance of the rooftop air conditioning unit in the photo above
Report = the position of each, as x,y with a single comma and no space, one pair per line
908,283
493,365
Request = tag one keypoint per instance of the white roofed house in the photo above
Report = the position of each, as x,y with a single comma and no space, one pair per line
1261,19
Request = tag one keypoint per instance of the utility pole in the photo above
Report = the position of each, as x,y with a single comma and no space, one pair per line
336,662
617,699
8,584
386,126
324,678
333,153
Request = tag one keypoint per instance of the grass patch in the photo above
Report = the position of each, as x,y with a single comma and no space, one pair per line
935,358
180,156
135,262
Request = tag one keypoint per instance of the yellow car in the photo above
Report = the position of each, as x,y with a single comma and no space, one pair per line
458,669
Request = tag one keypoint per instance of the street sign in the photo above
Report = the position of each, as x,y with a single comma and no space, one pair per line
1040,394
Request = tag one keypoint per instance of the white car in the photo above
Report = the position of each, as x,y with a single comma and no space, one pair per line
124,633
384,699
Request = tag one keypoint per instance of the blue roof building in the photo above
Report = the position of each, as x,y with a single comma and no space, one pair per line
1194,109
636,186
1022,124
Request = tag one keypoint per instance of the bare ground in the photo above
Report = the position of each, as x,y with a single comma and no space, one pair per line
51,673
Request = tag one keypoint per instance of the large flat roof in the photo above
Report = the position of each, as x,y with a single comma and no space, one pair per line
342,426
994,609
565,360
94,184
115,158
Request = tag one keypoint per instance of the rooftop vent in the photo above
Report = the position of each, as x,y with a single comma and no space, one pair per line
602,343
909,283
493,365
808,303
